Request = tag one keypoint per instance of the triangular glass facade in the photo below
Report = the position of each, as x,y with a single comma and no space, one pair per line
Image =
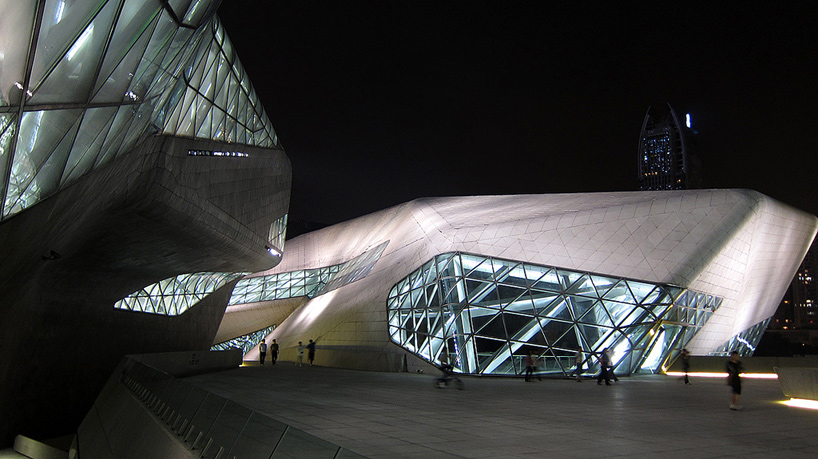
175,295
245,342
97,77
487,313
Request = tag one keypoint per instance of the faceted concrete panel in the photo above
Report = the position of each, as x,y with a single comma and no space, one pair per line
736,244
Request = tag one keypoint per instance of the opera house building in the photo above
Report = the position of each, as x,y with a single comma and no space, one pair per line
143,208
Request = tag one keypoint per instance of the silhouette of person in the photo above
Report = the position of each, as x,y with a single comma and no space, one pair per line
311,351
530,365
578,359
685,356
262,351
604,368
273,352
300,358
734,369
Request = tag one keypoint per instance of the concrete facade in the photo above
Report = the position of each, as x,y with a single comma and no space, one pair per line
737,245
132,149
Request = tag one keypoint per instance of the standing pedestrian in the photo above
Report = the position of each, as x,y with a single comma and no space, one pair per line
578,359
262,350
530,364
686,364
611,372
311,351
300,359
604,368
734,370
273,352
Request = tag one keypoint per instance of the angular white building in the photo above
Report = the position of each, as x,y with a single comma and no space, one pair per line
485,279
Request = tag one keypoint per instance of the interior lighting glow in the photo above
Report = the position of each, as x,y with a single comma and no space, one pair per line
80,42
704,374
60,11
802,403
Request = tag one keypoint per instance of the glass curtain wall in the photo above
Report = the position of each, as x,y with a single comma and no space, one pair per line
307,282
83,82
745,342
175,295
486,313
245,342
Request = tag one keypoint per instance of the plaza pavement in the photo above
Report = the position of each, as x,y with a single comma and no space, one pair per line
401,415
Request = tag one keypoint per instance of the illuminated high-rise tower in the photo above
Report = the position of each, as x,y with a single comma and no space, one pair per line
666,157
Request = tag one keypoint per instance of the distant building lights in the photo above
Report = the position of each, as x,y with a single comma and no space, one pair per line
687,120
230,154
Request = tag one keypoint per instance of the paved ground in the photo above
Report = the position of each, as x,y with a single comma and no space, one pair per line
389,415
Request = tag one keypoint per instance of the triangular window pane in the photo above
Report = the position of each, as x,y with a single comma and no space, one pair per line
491,326
603,284
483,270
640,290
560,309
597,315
619,311
95,126
568,341
61,26
549,282
523,305
73,77
584,287
520,328
133,33
567,278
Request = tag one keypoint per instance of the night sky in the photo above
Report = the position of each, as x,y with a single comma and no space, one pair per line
379,103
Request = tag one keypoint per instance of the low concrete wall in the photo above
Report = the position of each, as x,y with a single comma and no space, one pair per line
750,364
798,382
181,364
145,412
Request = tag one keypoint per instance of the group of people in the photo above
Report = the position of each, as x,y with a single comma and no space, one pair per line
606,373
273,348
262,351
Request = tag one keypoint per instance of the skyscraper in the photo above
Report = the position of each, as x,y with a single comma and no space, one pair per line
667,160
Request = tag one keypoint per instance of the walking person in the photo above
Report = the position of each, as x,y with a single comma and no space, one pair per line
311,351
578,359
611,372
530,365
685,356
300,358
604,368
734,370
262,351
273,352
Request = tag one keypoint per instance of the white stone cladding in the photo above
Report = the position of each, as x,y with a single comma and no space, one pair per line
736,244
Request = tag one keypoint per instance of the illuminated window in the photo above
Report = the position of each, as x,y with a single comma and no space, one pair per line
246,343
175,295
102,82
485,313
308,282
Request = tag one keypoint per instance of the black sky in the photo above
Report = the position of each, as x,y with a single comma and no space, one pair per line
378,103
